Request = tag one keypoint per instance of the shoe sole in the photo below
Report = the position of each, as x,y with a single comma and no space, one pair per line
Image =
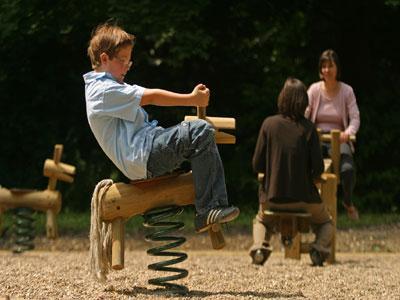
232,216
316,259
228,218
265,253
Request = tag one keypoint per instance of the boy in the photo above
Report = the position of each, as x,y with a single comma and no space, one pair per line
289,154
141,149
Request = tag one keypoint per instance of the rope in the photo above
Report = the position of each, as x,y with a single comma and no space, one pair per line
100,235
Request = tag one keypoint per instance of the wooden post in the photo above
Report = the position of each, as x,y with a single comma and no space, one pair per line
1,212
328,195
335,146
51,223
118,244
56,170
216,236
305,248
201,112
294,249
288,228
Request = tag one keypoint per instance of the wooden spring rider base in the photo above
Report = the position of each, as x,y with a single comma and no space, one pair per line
48,200
123,201
291,224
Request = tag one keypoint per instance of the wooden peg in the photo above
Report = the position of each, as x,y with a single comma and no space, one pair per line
118,244
56,170
216,236
58,149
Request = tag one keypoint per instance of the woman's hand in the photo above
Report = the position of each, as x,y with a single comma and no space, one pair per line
344,137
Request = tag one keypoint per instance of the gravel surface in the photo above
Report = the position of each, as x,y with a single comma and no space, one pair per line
368,267
212,275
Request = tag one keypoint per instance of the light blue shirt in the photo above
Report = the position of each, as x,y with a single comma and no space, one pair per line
119,123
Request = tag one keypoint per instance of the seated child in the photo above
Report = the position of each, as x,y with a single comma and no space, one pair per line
288,153
137,146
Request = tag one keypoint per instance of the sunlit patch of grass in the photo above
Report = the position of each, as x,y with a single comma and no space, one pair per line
74,223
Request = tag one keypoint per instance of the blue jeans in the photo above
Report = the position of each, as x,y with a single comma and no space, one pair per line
191,141
347,169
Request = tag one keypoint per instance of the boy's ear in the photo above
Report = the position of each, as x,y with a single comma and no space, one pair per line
104,58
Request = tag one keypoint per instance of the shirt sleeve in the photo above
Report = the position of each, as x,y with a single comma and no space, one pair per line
353,113
259,157
122,101
310,93
317,162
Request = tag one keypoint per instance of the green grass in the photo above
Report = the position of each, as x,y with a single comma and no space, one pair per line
73,223
367,220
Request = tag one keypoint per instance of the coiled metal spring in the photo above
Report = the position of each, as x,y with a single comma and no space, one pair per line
24,231
156,219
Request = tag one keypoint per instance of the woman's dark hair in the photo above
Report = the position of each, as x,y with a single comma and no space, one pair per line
329,56
293,99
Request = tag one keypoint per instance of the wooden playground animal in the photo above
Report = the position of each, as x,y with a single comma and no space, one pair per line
48,200
154,199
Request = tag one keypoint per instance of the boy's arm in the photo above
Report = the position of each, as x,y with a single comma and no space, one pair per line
198,97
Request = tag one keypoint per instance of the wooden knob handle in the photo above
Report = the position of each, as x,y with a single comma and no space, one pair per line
201,112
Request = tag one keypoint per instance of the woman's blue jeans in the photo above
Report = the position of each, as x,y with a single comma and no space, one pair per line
191,141
347,169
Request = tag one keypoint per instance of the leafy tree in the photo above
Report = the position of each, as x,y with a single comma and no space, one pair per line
243,50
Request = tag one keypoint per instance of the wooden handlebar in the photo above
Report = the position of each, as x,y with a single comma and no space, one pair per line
327,137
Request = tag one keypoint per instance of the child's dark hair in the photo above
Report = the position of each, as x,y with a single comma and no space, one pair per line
107,38
331,57
293,99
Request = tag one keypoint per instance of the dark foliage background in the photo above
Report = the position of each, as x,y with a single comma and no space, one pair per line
243,50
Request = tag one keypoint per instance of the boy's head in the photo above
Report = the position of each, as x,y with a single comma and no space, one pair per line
293,99
110,49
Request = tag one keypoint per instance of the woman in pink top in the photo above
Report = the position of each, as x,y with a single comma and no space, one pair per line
333,105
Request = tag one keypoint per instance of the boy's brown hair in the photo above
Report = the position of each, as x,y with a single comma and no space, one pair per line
293,99
107,38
